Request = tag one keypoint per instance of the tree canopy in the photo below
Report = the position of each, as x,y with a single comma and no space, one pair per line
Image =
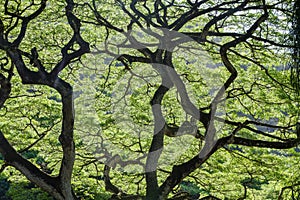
149,99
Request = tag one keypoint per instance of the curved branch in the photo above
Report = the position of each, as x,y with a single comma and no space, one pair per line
156,143
25,21
220,17
194,12
108,185
291,187
179,172
75,24
265,144
12,158
186,103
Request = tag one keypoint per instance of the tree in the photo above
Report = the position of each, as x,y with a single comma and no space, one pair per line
147,78
295,58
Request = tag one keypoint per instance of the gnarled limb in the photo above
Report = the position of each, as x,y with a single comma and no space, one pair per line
156,144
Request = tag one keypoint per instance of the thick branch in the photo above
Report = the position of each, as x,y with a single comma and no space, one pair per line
219,18
186,103
75,24
156,144
179,172
4,89
234,43
265,144
12,158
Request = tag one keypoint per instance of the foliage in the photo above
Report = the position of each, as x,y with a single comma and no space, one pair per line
149,99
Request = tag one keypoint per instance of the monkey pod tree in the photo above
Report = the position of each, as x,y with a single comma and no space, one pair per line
243,37
18,16
50,45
